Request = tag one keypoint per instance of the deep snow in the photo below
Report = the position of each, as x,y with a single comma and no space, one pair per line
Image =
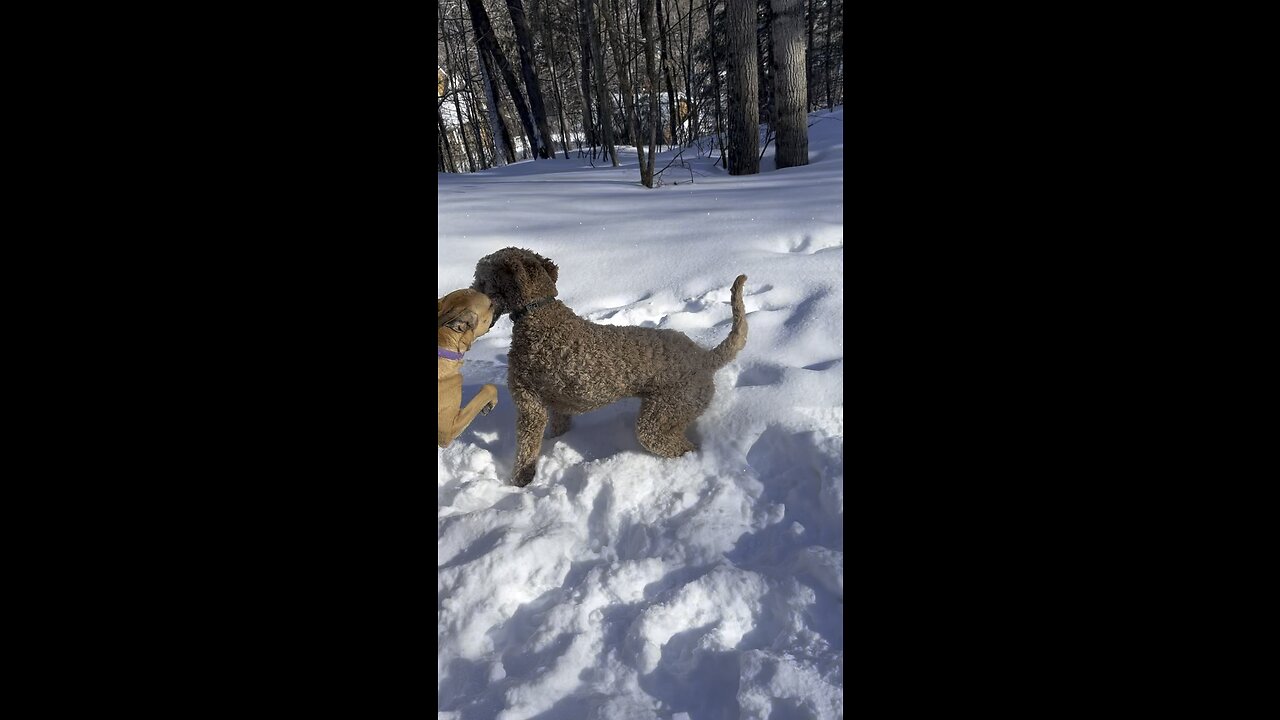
623,585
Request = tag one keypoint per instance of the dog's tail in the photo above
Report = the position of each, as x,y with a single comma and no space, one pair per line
728,350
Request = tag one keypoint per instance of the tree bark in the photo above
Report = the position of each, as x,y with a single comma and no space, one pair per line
457,103
548,39
744,109
764,47
624,79
647,12
790,119
826,56
715,79
488,43
503,148
529,68
808,61
584,51
602,89
444,155
663,26
688,80
477,128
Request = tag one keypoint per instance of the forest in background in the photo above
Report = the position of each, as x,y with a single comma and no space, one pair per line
538,78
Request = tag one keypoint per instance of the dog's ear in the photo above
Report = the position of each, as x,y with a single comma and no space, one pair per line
462,322
551,268
517,271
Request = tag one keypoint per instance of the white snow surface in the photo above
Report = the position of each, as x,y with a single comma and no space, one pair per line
620,585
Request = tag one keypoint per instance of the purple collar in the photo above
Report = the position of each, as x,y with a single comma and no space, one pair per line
448,354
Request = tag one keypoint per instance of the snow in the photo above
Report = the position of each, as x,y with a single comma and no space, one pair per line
619,584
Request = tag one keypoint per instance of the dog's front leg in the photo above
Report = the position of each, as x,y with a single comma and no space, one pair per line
483,402
531,421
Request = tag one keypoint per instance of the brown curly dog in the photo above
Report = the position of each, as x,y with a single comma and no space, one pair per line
561,365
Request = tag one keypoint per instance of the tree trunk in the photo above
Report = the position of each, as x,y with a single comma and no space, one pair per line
488,43
663,26
808,61
624,79
764,84
474,112
602,88
790,117
548,39
715,78
503,149
457,103
462,128
744,109
448,164
688,80
584,51
617,28
647,11
826,56
529,68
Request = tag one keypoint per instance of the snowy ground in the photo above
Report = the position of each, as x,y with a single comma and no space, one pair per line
619,584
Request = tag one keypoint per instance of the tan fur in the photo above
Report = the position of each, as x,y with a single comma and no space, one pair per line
561,365
461,317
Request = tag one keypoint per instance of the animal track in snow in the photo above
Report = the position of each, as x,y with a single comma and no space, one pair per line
811,245
758,375
690,315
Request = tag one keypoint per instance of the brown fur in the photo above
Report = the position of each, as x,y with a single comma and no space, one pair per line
561,365
461,317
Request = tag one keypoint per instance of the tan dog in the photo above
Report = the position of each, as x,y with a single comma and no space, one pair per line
461,317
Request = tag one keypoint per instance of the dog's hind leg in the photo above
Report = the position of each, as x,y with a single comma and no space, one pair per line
560,423
531,421
665,417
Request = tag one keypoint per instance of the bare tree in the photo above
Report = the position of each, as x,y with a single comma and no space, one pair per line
548,40
474,112
456,90
789,113
688,79
647,11
764,58
826,54
808,61
529,69
584,55
715,76
744,109
444,155
663,31
504,151
624,79
602,89
488,44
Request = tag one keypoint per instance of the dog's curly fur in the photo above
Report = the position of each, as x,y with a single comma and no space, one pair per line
561,365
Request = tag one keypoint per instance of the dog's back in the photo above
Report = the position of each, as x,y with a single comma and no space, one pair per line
582,366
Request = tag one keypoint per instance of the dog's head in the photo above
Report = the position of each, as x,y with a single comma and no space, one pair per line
466,313
515,277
